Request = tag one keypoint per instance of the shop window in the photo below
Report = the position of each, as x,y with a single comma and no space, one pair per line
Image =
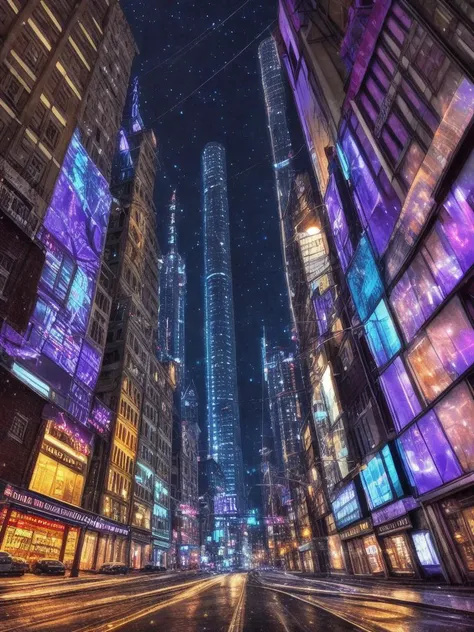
374,554
456,414
444,352
382,335
364,280
401,397
336,556
427,455
340,229
32,537
358,558
56,480
398,554
461,524
424,548
18,428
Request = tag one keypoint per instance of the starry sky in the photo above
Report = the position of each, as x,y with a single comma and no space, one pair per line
229,109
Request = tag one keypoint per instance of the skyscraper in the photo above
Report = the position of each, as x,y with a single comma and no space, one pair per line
274,92
172,299
223,420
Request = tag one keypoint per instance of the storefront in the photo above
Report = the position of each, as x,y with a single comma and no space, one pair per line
33,526
458,514
140,552
363,549
308,559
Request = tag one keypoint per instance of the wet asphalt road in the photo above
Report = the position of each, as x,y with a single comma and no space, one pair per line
194,602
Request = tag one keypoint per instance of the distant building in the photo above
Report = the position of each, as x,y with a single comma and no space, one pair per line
139,389
171,330
223,418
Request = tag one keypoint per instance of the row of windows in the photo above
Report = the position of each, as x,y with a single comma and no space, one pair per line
122,460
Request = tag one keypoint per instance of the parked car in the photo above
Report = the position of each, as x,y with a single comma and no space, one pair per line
49,567
114,568
20,566
10,565
153,568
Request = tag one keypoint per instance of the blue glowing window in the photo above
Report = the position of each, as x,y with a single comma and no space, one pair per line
380,479
382,335
364,280
346,506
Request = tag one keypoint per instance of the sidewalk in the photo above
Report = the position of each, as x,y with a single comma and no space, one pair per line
455,598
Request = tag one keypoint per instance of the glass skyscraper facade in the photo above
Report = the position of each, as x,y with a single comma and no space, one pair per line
223,421
172,299
274,92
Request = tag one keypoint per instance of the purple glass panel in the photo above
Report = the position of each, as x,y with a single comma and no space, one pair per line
377,209
441,259
394,510
73,237
456,415
89,365
324,308
401,397
438,445
338,223
100,417
419,200
418,460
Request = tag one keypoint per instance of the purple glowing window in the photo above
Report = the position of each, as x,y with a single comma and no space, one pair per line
415,297
400,394
427,455
324,308
444,351
456,414
376,201
100,417
89,365
338,222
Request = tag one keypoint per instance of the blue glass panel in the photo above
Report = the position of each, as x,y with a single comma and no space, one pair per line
364,280
382,335
392,471
346,507
376,484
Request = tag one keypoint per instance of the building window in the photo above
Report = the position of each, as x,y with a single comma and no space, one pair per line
18,428
34,170
401,397
51,135
6,266
382,335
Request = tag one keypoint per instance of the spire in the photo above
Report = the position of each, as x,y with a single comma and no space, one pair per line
132,120
172,236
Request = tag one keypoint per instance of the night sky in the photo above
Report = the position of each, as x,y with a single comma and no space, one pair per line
229,109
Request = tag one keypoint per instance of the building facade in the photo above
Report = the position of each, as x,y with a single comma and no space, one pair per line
223,418
60,115
136,469
171,323
395,178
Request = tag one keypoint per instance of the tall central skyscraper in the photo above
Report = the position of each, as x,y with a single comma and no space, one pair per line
172,299
274,91
223,420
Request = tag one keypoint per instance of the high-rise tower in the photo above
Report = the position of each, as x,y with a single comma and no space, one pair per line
223,418
172,299
274,91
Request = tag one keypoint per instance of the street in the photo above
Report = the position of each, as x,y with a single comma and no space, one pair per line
226,602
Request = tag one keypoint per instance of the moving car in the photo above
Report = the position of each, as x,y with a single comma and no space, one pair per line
153,568
114,568
48,567
10,565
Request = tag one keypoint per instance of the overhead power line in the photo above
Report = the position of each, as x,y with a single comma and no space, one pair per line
195,42
157,119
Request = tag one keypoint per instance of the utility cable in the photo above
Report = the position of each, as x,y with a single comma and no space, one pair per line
195,42
156,120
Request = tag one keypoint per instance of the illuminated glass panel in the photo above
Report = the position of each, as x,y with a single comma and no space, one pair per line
456,414
401,397
364,280
424,548
381,335
346,507
337,219
324,308
380,479
376,201
427,455
444,351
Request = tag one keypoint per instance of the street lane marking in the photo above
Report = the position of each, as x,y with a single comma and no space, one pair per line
238,618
